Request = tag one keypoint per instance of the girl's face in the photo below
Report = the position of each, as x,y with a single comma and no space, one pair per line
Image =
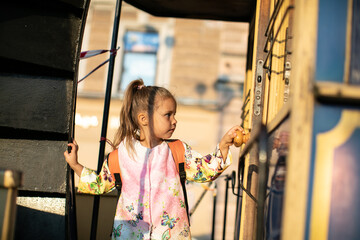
164,118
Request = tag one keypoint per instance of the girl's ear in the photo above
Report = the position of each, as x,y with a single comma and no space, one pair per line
143,119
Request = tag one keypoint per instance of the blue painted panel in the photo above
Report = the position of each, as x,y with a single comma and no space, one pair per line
345,195
331,40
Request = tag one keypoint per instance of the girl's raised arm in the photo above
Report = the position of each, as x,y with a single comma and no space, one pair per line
228,140
207,168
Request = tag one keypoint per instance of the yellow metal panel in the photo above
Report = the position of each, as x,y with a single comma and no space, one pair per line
275,69
277,86
281,61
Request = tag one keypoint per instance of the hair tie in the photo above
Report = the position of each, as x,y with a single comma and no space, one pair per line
140,87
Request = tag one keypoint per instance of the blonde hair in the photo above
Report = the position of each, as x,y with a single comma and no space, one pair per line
137,98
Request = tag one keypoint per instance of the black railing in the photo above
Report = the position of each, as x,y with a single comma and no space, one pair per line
227,178
106,114
258,139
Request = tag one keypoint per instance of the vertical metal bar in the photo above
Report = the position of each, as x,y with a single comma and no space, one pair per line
199,200
263,179
227,178
238,215
214,214
106,114
238,202
71,219
239,196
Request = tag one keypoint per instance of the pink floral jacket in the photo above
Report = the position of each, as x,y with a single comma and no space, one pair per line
151,204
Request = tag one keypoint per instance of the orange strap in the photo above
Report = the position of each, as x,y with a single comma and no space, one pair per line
176,147
178,152
113,162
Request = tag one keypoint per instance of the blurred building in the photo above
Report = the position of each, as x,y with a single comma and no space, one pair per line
201,62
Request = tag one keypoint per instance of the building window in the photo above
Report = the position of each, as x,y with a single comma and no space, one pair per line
139,60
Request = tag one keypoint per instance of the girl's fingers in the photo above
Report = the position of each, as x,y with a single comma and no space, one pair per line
237,128
229,137
73,146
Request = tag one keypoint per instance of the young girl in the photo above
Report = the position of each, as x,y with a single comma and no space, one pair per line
151,204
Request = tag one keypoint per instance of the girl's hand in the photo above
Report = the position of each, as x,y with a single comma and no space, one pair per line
228,140
72,158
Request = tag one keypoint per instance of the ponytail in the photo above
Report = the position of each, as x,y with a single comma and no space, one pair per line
128,125
137,98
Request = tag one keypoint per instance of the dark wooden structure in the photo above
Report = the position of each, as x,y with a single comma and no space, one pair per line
40,44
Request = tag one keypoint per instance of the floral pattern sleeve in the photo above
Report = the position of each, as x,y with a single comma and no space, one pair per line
205,168
92,183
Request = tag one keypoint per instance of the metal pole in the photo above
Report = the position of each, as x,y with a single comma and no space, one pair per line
238,205
106,114
240,174
238,215
214,213
262,184
71,196
199,200
225,208
72,206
